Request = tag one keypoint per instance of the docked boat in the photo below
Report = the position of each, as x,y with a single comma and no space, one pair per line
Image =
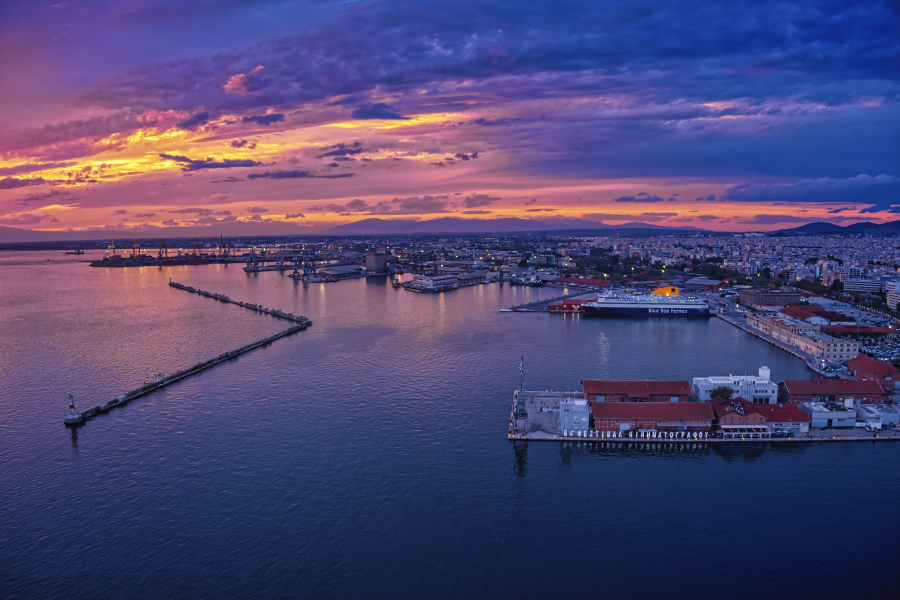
663,302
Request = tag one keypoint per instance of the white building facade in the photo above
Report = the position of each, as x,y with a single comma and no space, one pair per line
758,389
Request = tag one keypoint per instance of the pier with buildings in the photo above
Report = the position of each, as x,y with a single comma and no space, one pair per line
713,409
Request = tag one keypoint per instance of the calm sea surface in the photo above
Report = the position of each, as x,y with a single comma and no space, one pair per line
367,456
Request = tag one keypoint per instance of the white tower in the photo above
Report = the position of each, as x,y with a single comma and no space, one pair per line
74,417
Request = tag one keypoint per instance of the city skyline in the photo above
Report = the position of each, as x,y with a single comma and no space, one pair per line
150,116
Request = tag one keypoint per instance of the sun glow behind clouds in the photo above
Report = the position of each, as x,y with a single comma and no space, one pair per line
526,106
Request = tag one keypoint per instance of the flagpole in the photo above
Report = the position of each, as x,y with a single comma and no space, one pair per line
522,374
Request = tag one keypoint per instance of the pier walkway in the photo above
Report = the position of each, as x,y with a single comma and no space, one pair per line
849,435
258,308
301,323
790,349
543,305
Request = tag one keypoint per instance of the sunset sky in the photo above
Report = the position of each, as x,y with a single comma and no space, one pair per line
147,114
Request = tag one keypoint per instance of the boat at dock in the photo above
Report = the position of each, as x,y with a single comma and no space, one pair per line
663,302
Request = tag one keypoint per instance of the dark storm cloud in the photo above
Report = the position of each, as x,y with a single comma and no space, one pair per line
690,44
377,111
194,121
413,205
775,219
297,174
32,167
10,183
342,149
669,74
880,191
490,123
479,200
41,196
640,199
209,163
264,119
243,144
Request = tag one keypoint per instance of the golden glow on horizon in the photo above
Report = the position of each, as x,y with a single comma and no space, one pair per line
125,171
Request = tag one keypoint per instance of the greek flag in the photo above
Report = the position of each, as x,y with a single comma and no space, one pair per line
522,366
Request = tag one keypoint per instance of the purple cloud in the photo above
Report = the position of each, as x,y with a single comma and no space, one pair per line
209,163
377,111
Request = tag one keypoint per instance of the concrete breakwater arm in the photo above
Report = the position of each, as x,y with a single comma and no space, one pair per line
223,298
75,418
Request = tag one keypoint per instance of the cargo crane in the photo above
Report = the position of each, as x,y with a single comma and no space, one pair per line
135,249
163,249
111,251
195,251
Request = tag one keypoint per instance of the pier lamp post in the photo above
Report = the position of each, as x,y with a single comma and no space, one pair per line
632,276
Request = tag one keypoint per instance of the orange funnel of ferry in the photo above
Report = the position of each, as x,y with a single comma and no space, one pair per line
669,290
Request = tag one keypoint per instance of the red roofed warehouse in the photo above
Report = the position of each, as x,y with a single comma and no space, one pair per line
861,391
868,368
611,390
787,417
737,412
631,416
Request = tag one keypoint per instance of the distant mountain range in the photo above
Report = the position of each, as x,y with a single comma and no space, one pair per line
372,226
866,227
16,235
444,225
456,225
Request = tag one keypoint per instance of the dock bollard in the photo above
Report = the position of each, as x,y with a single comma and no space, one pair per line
73,418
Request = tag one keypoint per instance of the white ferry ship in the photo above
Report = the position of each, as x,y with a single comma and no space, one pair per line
663,302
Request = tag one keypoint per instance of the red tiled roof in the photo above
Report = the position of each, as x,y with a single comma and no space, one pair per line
797,313
836,317
652,410
636,388
863,329
832,386
876,367
783,413
583,281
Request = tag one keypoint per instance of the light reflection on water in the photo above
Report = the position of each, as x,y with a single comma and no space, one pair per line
367,456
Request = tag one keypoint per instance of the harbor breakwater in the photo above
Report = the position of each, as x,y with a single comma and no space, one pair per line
76,418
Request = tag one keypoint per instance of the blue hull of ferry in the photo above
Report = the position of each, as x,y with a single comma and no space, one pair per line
645,311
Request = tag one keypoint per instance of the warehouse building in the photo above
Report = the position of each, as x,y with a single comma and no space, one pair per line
652,416
859,391
827,415
766,297
612,390
785,418
868,368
